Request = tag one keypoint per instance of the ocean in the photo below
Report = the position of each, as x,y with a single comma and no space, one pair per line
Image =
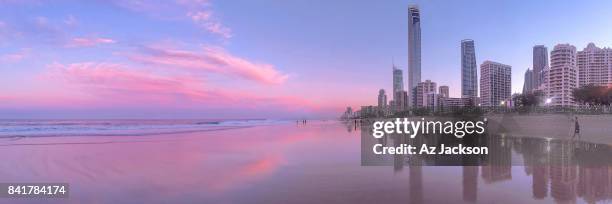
123,127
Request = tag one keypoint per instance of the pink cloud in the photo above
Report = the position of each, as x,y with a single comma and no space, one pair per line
117,81
16,56
205,19
94,84
89,42
197,11
211,59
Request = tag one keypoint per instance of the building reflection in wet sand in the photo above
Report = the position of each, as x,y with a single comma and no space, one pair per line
565,170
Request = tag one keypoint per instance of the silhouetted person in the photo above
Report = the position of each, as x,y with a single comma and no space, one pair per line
576,128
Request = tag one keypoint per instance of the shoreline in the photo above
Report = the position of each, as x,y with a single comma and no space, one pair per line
593,128
126,134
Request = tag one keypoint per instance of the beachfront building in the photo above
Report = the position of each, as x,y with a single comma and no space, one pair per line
401,101
540,66
348,114
469,77
414,50
382,99
594,66
452,104
563,76
398,80
368,111
398,87
432,100
443,91
495,83
422,91
528,82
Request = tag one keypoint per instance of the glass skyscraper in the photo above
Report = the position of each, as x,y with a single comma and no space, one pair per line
528,84
469,78
398,80
414,50
540,63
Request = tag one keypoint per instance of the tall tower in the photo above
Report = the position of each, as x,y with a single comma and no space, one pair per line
469,77
398,80
528,84
563,75
414,50
495,83
540,64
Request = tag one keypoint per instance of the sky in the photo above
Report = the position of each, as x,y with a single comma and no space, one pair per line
257,59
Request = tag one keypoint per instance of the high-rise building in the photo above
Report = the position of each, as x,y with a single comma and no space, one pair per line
451,104
398,80
495,83
382,99
540,65
594,66
469,77
348,113
401,101
443,90
414,49
422,91
563,75
432,100
528,84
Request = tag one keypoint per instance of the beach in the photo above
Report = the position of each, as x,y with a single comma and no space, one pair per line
593,128
316,162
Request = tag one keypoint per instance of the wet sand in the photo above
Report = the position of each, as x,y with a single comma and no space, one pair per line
593,128
314,163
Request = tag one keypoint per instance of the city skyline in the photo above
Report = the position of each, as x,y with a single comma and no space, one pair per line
270,60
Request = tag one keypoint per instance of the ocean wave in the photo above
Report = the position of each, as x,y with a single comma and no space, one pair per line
50,128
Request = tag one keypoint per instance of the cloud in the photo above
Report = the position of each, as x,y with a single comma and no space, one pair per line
89,42
117,81
205,19
40,29
8,32
37,29
211,59
197,11
71,21
113,85
16,56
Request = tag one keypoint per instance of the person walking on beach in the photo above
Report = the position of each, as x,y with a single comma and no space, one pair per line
576,128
